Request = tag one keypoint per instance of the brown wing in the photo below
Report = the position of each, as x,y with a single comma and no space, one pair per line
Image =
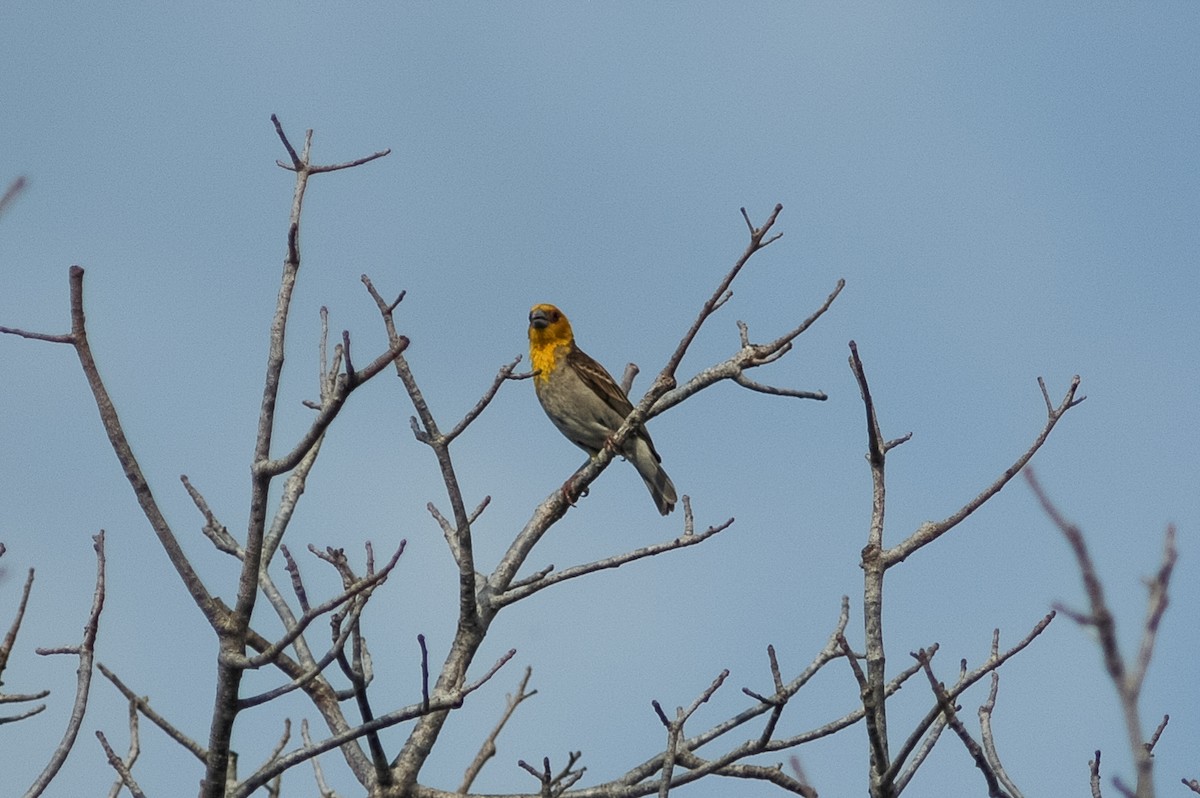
601,382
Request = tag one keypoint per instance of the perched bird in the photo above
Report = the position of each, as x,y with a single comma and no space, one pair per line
584,401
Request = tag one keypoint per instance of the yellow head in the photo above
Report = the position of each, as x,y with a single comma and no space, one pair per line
548,330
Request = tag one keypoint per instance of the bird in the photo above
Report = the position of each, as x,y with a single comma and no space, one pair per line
585,402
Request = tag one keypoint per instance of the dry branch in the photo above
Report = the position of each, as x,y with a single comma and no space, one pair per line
86,651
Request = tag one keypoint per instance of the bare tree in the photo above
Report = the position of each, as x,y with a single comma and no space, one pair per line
336,675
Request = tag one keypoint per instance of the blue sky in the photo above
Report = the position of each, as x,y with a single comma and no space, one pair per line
1010,191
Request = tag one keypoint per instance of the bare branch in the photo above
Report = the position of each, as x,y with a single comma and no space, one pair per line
675,730
872,683
318,773
448,530
544,776
931,531
950,713
10,639
429,433
1155,607
64,338
746,382
20,698
488,749
478,511
135,748
364,585
1162,726
86,650
504,374
424,672
311,673
143,706
10,194
965,681
213,529
359,673
876,736
546,579
928,738
293,570
301,163
747,357
289,499
985,727
633,783
283,741
329,411
440,702
627,378
212,610
1123,788
121,768
296,162
719,295
829,652
1128,681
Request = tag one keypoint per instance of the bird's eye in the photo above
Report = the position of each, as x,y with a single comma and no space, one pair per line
554,316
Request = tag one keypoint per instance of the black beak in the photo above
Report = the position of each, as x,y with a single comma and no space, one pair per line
538,319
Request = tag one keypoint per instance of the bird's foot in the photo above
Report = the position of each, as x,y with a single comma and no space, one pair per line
612,447
570,494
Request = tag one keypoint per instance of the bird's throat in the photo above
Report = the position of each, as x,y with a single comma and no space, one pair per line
542,356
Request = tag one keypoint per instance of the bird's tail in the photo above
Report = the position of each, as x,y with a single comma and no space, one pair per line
657,482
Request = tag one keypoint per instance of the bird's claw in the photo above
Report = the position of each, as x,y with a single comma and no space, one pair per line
568,489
